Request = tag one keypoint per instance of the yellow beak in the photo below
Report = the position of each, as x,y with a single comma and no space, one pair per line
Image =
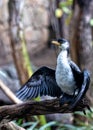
56,43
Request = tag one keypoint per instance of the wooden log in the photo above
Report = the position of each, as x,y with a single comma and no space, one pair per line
10,112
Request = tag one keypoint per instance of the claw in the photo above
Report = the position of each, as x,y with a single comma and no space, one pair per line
66,99
84,112
88,107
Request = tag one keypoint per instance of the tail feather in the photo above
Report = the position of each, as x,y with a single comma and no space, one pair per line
83,89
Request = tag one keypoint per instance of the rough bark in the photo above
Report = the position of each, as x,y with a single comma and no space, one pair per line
85,39
59,25
10,126
81,40
11,112
73,34
81,36
85,34
15,7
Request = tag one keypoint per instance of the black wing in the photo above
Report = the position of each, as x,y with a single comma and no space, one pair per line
82,81
42,82
78,75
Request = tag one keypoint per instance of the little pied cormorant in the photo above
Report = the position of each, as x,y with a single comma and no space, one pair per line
67,80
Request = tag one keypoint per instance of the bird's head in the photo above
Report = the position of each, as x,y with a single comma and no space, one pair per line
62,43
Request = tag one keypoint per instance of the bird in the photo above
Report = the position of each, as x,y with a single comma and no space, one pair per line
66,81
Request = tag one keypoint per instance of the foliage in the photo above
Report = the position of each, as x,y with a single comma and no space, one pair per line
59,126
91,22
64,7
34,125
82,125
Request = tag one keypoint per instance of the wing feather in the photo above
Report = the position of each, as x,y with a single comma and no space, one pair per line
78,75
42,82
82,81
83,90
23,93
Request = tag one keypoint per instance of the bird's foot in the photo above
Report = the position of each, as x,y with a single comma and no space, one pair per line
66,99
69,99
88,108
70,102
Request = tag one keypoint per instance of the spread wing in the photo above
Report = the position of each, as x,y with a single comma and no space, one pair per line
82,81
42,82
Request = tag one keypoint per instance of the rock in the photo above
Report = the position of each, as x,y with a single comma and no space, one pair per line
43,3
3,11
61,118
35,3
28,17
28,34
35,22
33,35
34,49
40,18
45,33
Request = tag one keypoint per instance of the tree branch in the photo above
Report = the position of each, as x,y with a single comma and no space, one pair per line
22,109
11,112
11,126
9,93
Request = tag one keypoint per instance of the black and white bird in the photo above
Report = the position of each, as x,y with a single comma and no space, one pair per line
67,81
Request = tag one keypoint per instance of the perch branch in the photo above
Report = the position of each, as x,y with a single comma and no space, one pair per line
11,112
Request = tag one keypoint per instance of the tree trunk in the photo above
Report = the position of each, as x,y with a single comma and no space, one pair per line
59,25
85,39
18,44
81,38
15,7
81,35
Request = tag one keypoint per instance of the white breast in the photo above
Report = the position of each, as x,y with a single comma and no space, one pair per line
64,75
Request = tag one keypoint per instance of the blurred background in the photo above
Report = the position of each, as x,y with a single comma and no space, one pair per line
26,30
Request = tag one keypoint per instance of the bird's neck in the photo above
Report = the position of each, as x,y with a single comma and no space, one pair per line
62,57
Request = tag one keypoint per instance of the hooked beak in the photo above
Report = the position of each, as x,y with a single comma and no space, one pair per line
56,43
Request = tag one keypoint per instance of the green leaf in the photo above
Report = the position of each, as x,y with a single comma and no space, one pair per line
58,13
66,10
28,124
52,123
72,127
68,19
33,126
19,122
65,3
91,22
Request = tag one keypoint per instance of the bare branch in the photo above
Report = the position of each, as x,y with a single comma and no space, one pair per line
9,93
10,126
31,108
